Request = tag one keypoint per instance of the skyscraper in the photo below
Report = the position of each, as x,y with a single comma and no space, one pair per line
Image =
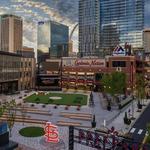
122,21
89,27
11,33
146,40
53,39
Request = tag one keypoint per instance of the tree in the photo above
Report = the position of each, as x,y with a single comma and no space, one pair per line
106,82
11,114
2,109
126,119
140,87
114,83
118,82
23,113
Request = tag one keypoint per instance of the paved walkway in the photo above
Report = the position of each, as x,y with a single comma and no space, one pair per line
118,122
115,116
56,116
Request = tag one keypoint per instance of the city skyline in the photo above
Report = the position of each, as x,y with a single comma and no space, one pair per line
65,12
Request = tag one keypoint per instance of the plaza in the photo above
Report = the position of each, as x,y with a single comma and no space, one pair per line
74,75
37,116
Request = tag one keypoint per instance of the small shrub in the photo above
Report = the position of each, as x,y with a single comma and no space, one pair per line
139,105
126,119
50,100
43,106
93,123
66,108
19,104
78,108
32,105
109,106
55,107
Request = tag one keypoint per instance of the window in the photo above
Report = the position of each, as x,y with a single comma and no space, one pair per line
119,64
107,64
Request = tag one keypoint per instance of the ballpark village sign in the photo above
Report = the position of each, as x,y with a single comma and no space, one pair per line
92,62
110,140
84,62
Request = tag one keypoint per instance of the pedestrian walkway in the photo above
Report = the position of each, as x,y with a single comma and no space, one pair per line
131,109
138,131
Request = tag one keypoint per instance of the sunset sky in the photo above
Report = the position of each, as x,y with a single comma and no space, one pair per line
32,11
62,11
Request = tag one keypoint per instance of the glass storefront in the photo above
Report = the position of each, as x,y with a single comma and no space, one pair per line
8,87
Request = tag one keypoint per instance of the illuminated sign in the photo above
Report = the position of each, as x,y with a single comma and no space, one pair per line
119,51
51,133
104,140
95,62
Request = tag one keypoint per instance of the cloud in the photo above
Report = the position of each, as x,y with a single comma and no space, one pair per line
62,11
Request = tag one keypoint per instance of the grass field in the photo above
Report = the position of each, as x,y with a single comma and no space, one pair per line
32,132
66,99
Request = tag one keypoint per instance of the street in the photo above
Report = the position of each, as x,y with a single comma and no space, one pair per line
139,129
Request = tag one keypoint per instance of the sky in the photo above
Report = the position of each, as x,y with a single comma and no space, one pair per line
62,11
33,11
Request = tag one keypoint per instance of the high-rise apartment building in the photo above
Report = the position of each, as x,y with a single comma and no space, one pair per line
121,22
11,30
53,39
146,40
89,27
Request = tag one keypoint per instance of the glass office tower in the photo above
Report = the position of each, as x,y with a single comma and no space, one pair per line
88,27
121,21
52,40
59,40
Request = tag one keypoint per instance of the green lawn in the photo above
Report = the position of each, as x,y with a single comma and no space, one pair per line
66,99
32,132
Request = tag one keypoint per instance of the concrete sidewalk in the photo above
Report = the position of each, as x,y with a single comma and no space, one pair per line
118,122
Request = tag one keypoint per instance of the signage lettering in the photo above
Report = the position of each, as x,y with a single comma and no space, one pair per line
89,62
110,140
51,133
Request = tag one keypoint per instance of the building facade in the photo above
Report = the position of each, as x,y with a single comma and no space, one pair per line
53,39
9,72
11,33
27,73
147,74
16,72
146,40
87,72
50,75
89,27
126,21
27,69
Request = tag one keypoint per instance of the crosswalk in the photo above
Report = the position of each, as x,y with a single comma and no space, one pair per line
138,131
